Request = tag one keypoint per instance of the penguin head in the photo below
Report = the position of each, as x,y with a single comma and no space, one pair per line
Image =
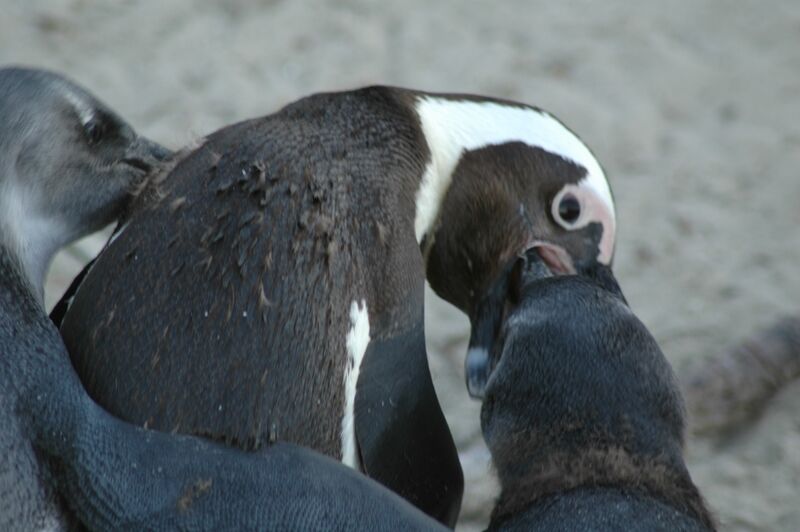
574,369
503,177
67,163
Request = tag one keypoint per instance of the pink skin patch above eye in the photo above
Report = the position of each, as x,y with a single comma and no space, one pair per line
594,209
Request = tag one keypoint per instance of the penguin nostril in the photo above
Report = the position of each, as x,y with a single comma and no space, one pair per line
569,209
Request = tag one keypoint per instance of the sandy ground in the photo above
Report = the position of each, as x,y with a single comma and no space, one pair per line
693,107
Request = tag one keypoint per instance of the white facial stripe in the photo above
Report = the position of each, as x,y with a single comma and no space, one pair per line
357,342
451,127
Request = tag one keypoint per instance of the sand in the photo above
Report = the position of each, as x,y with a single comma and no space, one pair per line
693,108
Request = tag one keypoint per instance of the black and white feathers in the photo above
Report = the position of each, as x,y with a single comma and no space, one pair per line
270,287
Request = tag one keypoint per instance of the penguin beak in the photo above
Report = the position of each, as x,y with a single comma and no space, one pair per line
486,322
477,371
554,257
144,154
539,261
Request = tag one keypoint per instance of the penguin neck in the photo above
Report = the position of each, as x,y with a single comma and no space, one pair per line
20,304
28,237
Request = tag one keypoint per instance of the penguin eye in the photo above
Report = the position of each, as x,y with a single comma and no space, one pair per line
101,127
95,130
569,210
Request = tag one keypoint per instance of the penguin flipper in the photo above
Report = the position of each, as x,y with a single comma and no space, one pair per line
122,477
402,434
60,309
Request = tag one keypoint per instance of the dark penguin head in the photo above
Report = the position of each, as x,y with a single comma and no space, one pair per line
573,367
580,395
67,163
504,177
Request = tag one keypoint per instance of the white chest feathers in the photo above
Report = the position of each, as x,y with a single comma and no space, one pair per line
356,344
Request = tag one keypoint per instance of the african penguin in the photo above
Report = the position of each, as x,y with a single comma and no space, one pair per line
64,462
581,411
66,165
270,287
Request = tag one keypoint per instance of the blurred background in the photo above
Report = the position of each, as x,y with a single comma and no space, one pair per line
693,107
